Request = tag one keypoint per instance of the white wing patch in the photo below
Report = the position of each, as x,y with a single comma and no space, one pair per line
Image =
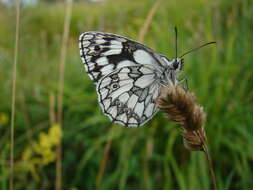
123,101
143,57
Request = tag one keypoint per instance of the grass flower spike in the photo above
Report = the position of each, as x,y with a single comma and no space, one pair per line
180,106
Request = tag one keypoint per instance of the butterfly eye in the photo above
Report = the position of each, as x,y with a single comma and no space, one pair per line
175,64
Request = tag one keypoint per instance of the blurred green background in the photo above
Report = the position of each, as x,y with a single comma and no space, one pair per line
98,154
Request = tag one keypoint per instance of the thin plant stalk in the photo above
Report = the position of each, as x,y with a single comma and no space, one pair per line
63,58
105,159
210,167
148,21
58,182
13,100
52,115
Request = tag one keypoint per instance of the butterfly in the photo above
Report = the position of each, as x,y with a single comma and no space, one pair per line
128,75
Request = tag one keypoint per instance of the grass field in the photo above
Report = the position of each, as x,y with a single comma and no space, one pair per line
98,154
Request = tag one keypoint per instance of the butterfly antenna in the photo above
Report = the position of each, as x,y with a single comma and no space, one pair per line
194,49
176,39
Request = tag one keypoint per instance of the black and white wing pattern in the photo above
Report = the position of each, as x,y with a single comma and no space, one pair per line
126,74
127,94
102,53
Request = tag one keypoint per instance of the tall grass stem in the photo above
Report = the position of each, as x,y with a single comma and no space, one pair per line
106,156
210,167
52,113
58,182
209,161
13,100
148,21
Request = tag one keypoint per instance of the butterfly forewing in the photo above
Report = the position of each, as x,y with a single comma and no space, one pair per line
127,94
102,53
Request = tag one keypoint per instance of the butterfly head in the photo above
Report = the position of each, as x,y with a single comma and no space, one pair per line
177,64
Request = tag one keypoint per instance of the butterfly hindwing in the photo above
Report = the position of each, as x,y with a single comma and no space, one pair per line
103,53
127,94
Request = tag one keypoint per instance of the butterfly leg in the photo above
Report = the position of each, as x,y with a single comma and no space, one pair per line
184,83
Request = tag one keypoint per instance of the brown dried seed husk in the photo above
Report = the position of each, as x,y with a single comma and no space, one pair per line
194,140
180,106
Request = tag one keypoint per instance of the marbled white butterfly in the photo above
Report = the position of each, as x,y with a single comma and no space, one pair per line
127,74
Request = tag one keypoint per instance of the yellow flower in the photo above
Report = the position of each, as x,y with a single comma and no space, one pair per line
42,152
55,134
44,141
